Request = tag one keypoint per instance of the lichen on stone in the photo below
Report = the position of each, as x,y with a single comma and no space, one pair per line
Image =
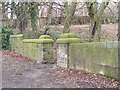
45,37
68,40
68,35
37,41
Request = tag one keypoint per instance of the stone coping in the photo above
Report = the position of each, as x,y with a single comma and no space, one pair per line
68,40
37,41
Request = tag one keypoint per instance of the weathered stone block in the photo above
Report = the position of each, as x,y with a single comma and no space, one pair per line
45,37
40,49
68,35
63,49
47,52
62,55
112,72
95,57
16,43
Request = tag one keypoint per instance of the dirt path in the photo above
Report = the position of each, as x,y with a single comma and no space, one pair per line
26,74
18,72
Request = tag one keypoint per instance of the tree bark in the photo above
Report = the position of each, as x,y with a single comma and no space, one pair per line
95,17
21,13
34,15
48,19
12,12
69,13
4,17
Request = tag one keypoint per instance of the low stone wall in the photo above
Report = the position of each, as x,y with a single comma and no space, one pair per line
101,58
36,49
30,48
95,57
16,43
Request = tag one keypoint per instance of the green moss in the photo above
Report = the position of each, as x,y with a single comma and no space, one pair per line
62,41
45,37
93,57
31,40
19,35
47,56
46,41
37,41
68,40
73,40
68,35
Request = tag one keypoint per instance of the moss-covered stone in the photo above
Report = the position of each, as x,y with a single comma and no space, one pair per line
74,52
37,41
68,40
31,41
96,57
47,52
112,72
18,35
47,56
31,51
61,41
16,43
45,37
68,35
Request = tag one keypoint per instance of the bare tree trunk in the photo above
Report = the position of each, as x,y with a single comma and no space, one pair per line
92,29
48,19
95,17
12,12
4,17
21,13
34,15
95,29
69,13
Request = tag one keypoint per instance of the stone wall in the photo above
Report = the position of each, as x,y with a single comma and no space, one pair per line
36,49
62,55
16,43
95,57
63,48
101,58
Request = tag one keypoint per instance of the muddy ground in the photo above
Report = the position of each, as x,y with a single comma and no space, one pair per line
21,72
